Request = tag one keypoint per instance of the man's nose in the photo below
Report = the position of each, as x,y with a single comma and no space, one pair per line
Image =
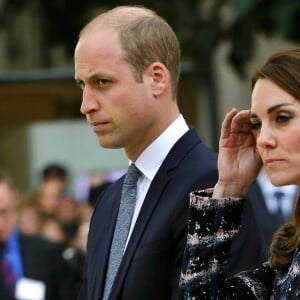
89,102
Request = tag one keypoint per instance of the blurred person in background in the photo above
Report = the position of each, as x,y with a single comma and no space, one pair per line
56,172
29,217
68,216
52,230
75,252
55,200
80,239
27,260
272,207
47,197
98,183
53,186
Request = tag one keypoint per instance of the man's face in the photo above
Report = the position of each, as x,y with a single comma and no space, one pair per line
8,211
120,110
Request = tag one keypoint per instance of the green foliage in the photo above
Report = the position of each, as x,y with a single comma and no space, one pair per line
269,17
198,24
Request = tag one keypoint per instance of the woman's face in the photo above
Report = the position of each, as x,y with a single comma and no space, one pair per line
121,110
275,116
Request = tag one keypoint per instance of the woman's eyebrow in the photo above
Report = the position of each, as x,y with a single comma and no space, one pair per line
271,109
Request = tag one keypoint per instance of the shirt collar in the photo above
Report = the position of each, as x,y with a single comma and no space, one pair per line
269,189
152,157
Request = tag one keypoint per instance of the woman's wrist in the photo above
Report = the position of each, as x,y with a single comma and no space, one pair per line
232,189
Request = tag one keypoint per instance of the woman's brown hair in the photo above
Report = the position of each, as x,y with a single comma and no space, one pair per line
283,68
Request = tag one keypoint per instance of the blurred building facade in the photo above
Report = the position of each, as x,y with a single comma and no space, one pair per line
37,88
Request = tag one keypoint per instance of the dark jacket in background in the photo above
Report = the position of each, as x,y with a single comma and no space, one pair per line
42,260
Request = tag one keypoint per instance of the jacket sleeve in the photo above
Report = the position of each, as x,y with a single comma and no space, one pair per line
213,223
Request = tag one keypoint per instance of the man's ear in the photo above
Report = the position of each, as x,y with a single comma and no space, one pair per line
160,78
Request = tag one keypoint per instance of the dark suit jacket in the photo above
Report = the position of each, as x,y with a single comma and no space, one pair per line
42,260
151,264
267,223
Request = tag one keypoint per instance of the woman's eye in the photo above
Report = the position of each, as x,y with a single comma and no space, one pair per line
283,118
255,125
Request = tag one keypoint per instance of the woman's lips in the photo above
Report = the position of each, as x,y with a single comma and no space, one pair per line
272,162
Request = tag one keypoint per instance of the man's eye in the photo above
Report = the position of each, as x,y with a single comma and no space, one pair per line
102,82
80,84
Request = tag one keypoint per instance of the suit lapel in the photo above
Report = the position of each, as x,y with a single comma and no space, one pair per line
99,253
160,181
260,209
259,204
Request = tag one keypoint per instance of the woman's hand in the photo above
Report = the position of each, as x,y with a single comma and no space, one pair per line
238,162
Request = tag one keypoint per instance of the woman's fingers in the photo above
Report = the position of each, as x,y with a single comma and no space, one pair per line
241,122
236,129
226,125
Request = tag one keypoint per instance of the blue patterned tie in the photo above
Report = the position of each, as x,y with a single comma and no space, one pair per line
6,271
279,196
122,226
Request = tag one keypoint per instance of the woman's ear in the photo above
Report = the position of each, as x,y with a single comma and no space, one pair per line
159,78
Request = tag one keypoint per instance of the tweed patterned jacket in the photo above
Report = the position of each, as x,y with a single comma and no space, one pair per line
213,223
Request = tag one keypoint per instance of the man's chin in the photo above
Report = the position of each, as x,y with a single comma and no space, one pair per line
108,145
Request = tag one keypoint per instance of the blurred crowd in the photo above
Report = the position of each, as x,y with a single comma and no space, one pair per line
53,213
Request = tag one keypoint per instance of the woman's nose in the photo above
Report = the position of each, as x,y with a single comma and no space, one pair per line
266,137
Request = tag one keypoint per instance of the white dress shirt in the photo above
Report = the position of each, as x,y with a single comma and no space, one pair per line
151,159
268,190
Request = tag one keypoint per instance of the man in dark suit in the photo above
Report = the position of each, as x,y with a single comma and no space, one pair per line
34,263
127,64
270,211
